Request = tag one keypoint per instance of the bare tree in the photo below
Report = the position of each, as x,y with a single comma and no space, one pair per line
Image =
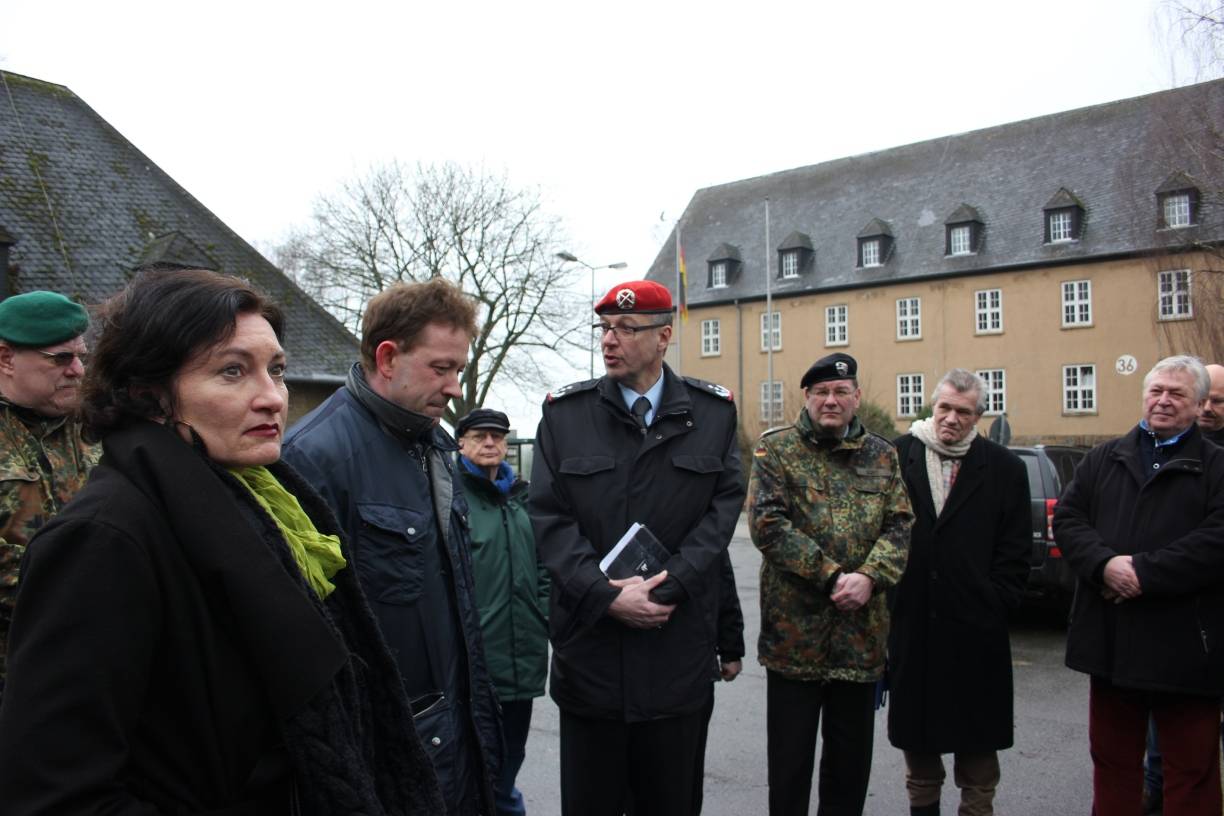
495,241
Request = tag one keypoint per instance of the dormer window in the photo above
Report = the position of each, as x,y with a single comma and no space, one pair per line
1178,201
1064,218
962,231
795,256
875,244
724,265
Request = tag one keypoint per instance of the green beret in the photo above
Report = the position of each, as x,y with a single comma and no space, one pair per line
41,318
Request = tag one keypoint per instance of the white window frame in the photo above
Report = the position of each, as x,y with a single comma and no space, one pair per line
1062,226
711,337
909,318
988,311
777,331
1175,295
910,394
1079,397
790,263
1076,297
779,408
1176,210
718,275
960,239
871,252
995,380
837,325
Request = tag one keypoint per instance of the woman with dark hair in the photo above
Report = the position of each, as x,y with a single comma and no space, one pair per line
188,637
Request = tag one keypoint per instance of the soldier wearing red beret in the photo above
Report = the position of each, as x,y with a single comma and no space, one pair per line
634,660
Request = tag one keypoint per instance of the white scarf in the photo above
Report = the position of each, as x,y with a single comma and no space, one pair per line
937,456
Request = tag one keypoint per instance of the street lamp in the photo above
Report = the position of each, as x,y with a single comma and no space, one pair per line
572,258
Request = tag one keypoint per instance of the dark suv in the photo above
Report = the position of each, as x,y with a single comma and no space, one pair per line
1050,468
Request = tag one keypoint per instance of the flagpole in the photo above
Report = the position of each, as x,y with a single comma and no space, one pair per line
769,400
680,300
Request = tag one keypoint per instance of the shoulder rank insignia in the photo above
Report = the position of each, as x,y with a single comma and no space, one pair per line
720,391
571,389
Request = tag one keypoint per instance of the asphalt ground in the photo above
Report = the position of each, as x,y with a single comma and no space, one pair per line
1047,773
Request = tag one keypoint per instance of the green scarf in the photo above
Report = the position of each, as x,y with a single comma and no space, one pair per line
317,554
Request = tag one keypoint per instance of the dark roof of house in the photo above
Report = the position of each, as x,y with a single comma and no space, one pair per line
1110,158
86,208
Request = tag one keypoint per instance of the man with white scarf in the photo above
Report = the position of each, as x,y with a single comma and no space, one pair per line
950,666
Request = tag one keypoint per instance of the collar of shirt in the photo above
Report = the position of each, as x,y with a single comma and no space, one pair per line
1160,443
654,394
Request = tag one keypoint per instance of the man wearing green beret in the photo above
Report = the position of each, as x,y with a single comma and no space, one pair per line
43,460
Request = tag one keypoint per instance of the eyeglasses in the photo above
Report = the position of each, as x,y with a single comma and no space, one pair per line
623,332
840,392
63,359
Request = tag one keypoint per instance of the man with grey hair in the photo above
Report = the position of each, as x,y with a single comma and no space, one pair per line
1211,412
1141,525
949,655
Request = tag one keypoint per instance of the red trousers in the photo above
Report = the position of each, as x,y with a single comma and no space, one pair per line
1189,729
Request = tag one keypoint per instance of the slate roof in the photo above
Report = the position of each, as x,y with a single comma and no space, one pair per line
116,210
1112,158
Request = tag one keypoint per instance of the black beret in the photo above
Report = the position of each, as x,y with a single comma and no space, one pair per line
41,318
830,367
483,418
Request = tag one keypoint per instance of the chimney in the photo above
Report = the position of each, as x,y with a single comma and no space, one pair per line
6,241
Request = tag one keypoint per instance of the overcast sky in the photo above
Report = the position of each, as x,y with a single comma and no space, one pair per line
617,113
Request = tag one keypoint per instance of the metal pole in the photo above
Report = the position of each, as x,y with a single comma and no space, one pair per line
769,400
594,341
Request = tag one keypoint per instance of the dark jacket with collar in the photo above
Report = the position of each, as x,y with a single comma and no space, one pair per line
511,586
595,473
950,671
165,647
391,480
1170,638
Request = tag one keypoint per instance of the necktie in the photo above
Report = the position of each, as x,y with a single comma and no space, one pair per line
640,407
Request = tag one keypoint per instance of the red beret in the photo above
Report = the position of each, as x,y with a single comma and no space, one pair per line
635,297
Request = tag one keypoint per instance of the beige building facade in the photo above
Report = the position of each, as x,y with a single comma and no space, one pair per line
1063,349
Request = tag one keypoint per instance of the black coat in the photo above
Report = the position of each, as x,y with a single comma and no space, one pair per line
168,657
595,474
950,669
1170,638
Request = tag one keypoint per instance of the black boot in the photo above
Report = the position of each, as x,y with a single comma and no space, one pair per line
926,810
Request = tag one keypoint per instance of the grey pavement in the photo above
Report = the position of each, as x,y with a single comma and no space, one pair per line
1047,773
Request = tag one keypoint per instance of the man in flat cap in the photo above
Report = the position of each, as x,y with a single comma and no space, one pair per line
511,587
43,460
829,512
633,659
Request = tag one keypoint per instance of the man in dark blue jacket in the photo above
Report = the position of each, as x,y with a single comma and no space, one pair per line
1142,525
375,452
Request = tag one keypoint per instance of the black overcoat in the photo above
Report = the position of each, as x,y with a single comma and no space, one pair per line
594,474
162,655
949,655
1170,638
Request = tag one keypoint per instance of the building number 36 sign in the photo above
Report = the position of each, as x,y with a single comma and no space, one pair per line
1126,364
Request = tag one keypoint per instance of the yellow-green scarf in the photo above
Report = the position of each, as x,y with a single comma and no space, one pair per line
317,554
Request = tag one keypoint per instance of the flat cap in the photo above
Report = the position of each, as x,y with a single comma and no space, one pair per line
41,318
483,418
830,367
636,297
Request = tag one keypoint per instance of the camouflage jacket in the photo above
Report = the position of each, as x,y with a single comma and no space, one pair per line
43,462
817,509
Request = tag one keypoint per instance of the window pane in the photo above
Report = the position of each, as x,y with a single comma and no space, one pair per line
1177,210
